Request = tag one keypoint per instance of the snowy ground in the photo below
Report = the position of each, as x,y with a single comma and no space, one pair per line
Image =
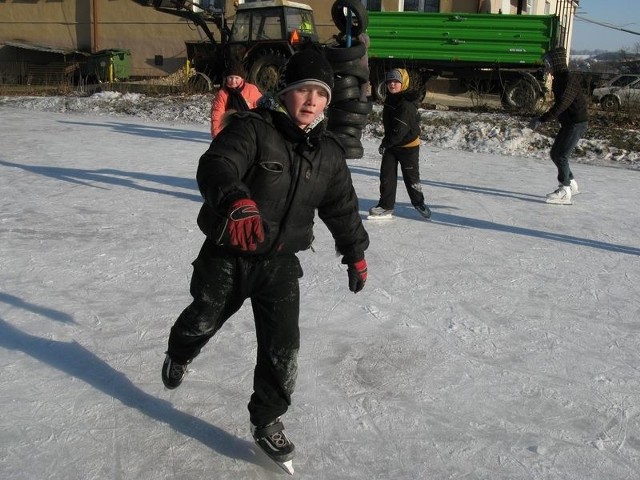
498,341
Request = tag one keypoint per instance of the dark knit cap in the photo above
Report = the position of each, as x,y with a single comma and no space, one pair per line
236,69
306,67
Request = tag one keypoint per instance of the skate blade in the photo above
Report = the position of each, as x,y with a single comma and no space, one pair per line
379,217
286,466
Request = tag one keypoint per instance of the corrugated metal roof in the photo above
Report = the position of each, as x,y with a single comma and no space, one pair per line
44,48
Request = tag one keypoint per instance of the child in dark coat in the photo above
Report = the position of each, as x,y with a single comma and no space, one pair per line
262,180
400,146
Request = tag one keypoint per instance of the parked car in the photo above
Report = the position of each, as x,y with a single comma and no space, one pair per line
622,91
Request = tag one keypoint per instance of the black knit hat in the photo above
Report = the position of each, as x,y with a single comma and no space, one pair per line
236,69
306,67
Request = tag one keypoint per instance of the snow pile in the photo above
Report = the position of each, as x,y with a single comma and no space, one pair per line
491,133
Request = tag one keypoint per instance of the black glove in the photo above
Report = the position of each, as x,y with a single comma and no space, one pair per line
357,275
381,150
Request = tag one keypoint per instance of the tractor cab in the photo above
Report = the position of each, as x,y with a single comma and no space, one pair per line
265,34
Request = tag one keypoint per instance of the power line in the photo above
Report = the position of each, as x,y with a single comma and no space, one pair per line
608,25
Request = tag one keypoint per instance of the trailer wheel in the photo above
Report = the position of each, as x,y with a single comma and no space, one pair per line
265,70
520,95
358,10
199,83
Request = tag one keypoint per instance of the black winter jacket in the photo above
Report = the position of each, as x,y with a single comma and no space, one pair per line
400,119
262,155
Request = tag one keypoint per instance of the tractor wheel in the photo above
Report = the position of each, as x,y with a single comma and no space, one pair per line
265,71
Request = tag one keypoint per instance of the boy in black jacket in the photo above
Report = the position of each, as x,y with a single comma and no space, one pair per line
262,179
400,145
570,109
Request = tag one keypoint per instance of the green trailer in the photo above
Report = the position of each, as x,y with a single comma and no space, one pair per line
503,53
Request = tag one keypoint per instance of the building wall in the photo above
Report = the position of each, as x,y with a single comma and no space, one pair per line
95,25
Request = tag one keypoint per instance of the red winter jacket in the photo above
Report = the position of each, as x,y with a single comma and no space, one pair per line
249,92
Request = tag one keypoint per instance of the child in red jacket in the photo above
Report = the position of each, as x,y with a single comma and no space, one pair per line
236,95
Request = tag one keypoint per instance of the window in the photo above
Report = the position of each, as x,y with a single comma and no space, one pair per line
421,5
373,5
411,5
431,6
240,29
300,20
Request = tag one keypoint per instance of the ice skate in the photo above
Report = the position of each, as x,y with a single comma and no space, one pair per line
574,188
272,440
562,196
173,373
378,212
423,210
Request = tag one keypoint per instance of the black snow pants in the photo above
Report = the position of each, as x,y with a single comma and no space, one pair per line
408,159
219,285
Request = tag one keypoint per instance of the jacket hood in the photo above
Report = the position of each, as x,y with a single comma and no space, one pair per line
556,60
405,78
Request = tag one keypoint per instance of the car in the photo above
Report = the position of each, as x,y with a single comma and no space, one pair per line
622,91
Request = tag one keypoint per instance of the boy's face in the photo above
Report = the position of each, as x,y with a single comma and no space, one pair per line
305,103
394,86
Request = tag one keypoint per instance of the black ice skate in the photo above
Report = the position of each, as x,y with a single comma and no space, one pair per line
272,441
173,373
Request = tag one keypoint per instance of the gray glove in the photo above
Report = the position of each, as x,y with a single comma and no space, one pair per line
534,123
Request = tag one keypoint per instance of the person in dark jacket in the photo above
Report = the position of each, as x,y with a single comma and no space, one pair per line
262,179
400,146
570,109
